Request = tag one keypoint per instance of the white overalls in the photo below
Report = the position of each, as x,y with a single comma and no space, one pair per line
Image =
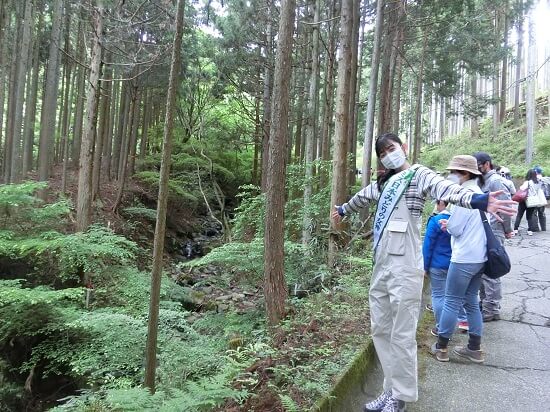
395,295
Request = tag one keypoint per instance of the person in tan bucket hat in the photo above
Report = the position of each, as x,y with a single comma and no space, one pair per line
464,163
468,257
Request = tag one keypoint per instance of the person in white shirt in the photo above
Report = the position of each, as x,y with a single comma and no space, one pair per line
469,254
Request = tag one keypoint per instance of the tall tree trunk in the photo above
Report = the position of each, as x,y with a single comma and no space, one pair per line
103,132
66,154
328,101
80,98
371,101
120,136
145,124
298,132
339,158
30,110
504,74
274,280
267,92
530,103
49,103
23,57
4,21
257,139
84,195
160,228
519,60
418,109
125,147
353,94
311,125
400,39
67,105
10,120
106,158
388,68
474,127
133,135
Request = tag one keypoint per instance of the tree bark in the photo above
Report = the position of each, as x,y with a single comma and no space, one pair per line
160,228
80,98
504,73
47,116
30,110
371,102
530,103
133,135
103,132
519,60
474,126
274,280
267,93
339,158
418,109
84,195
311,125
353,94
23,56
328,101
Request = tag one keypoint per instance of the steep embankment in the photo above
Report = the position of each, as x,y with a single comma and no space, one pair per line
507,148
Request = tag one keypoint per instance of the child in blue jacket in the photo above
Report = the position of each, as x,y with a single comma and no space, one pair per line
437,257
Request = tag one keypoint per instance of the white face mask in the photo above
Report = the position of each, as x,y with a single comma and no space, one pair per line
395,159
454,178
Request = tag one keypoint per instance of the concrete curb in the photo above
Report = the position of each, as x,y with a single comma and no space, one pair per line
349,382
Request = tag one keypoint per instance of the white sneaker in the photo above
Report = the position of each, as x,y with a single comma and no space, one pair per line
516,232
530,233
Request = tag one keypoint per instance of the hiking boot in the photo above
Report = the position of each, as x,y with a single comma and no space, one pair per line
490,317
394,405
434,332
441,354
473,355
378,404
430,307
463,326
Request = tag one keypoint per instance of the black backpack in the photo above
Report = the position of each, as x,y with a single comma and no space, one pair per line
498,262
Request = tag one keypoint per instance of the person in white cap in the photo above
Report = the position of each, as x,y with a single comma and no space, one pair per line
396,282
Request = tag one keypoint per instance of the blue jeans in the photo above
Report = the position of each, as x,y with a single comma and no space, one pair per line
438,279
461,290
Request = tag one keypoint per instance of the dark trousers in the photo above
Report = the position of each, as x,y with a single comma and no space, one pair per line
532,224
541,213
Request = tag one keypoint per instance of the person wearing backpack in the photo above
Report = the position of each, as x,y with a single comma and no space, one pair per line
469,254
545,186
397,276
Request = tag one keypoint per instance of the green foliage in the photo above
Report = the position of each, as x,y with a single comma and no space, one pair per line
288,403
12,293
21,211
175,190
246,259
140,213
507,150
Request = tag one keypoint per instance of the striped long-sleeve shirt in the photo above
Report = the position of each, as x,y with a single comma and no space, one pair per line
424,183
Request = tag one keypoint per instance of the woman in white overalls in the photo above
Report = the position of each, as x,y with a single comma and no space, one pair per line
396,284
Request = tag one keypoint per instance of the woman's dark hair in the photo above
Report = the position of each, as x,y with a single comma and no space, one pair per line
383,141
532,175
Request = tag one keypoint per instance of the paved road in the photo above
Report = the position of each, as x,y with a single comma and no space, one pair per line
516,373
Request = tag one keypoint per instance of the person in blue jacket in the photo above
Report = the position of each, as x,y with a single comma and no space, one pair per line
437,251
